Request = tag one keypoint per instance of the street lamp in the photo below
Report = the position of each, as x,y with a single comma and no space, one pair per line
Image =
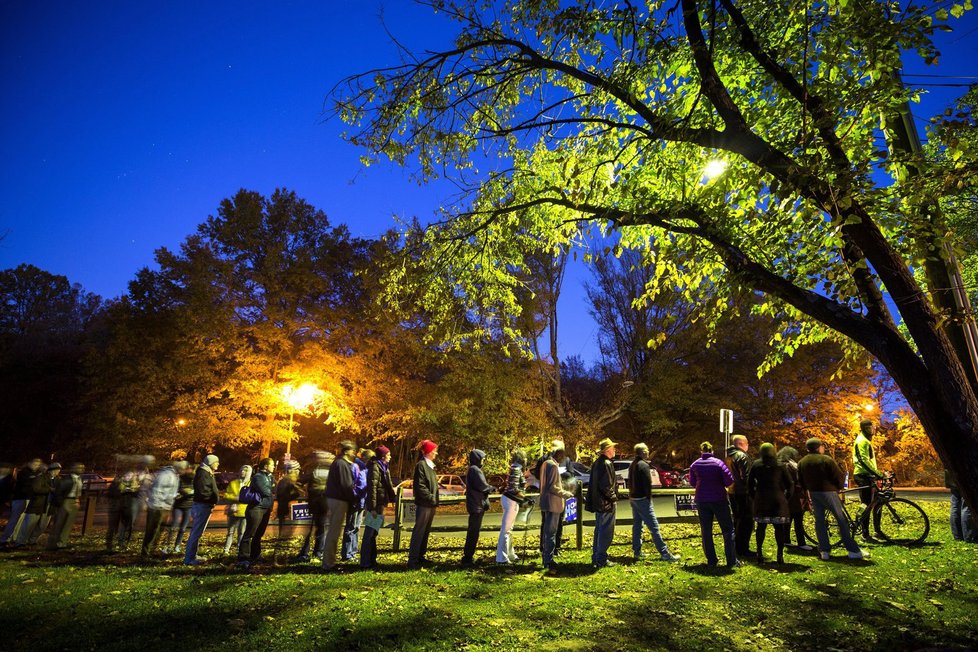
298,398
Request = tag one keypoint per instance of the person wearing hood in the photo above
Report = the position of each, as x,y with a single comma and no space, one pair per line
380,493
769,486
477,492
314,480
236,510
206,495
164,490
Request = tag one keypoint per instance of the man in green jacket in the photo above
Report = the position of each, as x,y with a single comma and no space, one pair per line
865,472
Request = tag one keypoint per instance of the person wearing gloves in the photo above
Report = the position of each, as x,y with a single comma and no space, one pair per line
513,498
162,493
552,500
640,499
477,492
236,510
380,493
257,515
206,495
426,501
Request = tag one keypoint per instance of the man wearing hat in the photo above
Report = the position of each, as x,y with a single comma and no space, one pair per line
339,498
822,478
603,498
380,493
426,500
864,471
206,495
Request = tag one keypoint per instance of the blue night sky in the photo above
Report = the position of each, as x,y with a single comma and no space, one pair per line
125,123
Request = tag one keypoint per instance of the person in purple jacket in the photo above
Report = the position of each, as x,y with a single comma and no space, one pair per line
711,477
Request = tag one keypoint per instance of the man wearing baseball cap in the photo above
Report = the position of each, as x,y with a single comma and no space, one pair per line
822,477
426,500
603,500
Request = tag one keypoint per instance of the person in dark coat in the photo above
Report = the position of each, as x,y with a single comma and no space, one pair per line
513,500
65,499
769,486
380,493
314,480
477,492
603,499
339,498
798,502
426,501
354,515
640,499
180,515
739,463
206,495
20,496
256,516
37,515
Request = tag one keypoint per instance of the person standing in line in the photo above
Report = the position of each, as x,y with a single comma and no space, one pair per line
354,517
513,498
426,502
798,501
380,493
206,495
603,500
739,463
769,486
477,492
180,515
166,486
640,499
66,498
552,501
236,511
822,478
20,496
339,497
962,523
314,480
256,516
710,477
865,472
286,491
130,486
38,512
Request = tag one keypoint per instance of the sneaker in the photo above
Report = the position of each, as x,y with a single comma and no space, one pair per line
824,556
244,564
607,564
736,564
806,548
193,562
862,554
640,556
670,557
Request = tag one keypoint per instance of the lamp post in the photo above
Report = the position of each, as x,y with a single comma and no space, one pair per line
298,398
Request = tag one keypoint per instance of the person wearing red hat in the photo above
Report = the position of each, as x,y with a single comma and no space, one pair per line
380,493
426,501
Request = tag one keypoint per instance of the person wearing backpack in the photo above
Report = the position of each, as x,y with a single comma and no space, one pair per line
236,509
513,498
260,496
603,501
477,492
314,480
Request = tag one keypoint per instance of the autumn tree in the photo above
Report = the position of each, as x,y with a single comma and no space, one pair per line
577,116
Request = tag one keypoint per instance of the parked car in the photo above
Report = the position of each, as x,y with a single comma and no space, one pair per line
448,485
621,471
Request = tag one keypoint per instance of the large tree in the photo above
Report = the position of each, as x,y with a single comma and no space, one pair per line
583,115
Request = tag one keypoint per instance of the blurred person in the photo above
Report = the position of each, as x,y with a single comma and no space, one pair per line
426,501
710,477
477,492
20,495
163,491
123,504
512,500
354,517
380,493
640,500
180,515
65,499
339,498
235,510
822,478
314,480
37,514
739,463
286,491
769,485
206,495
256,516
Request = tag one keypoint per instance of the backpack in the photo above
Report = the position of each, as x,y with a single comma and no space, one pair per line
249,495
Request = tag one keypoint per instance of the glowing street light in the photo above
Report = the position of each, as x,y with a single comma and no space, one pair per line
298,398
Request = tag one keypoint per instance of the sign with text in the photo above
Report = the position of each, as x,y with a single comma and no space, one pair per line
570,510
684,503
300,511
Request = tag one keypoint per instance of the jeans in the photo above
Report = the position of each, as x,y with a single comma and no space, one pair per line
179,518
200,514
317,529
504,546
828,501
643,512
17,508
32,528
472,536
419,535
721,511
236,529
551,522
604,532
256,521
354,517
962,524
337,523
743,520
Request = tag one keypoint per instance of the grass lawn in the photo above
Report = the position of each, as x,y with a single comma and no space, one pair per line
901,599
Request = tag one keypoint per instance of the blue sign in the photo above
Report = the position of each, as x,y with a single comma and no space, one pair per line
300,512
684,503
570,510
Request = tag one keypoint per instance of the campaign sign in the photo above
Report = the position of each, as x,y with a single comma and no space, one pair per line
684,503
570,510
300,511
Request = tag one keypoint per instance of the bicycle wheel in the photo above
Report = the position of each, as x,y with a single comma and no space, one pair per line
901,521
808,524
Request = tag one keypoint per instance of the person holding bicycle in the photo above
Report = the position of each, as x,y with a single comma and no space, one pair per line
865,472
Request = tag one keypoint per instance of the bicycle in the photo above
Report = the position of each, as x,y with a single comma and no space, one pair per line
895,520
